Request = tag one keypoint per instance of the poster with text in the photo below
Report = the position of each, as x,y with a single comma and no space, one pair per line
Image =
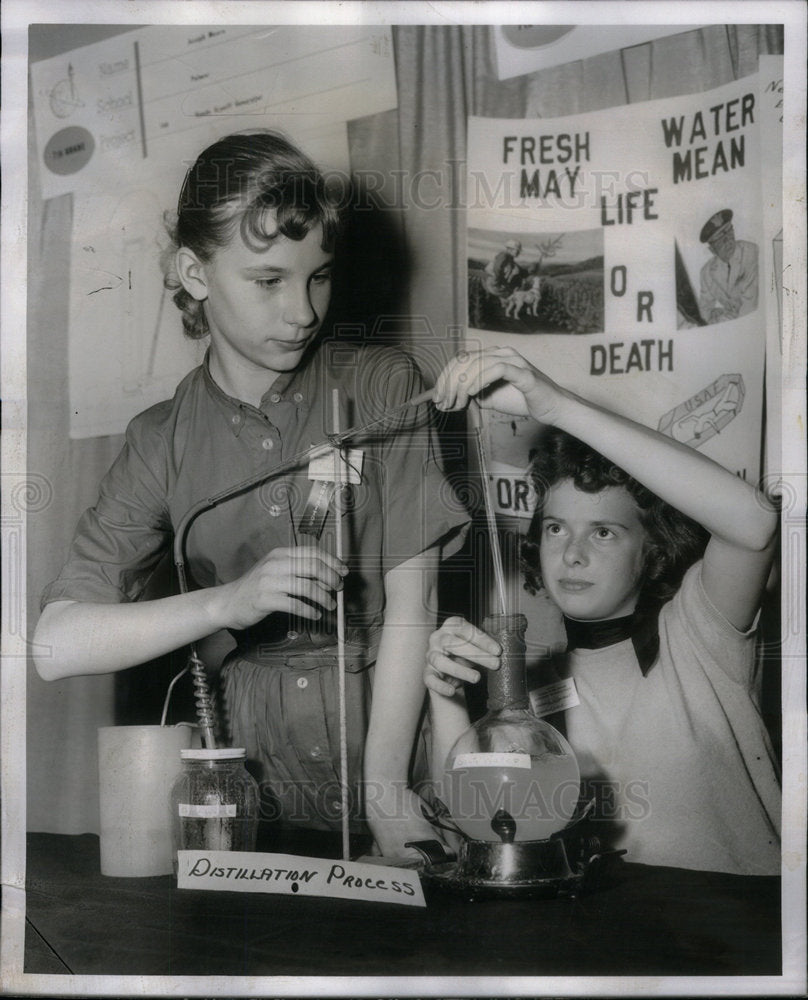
619,252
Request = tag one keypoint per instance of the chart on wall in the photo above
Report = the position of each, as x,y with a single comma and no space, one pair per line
117,125
621,252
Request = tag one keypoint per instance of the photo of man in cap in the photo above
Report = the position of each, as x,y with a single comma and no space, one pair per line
729,280
503,274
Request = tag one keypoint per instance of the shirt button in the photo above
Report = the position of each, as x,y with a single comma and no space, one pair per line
291,636
267,444
315,752
298,397
275,397
235,419
302,682
275,510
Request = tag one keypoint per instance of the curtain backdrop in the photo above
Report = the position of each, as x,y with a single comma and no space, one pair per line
444,75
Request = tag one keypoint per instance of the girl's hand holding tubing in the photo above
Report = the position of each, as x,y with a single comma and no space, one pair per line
456,649
297,581
742,521
525,391
79,637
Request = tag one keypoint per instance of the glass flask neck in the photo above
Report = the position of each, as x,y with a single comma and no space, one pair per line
507,687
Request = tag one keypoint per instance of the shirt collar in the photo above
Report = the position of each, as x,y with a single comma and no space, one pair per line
282,386
233,408
642,627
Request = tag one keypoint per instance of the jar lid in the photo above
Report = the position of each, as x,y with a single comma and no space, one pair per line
222,753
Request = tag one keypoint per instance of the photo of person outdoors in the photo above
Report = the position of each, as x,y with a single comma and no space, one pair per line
536,283
503,273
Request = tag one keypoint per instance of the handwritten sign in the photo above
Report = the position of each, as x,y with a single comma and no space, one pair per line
510,488
292,875
620,251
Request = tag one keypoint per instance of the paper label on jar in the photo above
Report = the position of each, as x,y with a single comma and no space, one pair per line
215,810
491,760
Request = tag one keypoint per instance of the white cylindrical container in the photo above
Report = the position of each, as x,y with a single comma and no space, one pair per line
137,766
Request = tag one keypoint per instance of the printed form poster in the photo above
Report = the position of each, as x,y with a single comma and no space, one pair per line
619,252
117,125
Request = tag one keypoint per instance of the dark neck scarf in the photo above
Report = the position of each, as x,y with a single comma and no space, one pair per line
641,627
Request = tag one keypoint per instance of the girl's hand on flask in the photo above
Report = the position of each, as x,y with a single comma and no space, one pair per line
499,378
457,651
300,581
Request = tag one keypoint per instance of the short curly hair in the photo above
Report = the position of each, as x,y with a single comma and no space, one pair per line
675,541
232,184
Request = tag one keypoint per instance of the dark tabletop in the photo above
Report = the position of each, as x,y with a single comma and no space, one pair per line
643,921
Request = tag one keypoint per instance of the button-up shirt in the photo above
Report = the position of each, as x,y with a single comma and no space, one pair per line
203,441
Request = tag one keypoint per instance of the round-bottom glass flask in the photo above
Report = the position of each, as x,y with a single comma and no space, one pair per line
214,802
511,777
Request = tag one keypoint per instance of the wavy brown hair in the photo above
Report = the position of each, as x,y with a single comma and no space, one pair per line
231,186
675,541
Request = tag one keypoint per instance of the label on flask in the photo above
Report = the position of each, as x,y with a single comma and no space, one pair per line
491,760
214,810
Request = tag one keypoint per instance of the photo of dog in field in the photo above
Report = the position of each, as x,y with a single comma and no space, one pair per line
536,282
526,298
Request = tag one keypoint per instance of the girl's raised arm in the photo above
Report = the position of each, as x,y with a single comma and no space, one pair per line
742,522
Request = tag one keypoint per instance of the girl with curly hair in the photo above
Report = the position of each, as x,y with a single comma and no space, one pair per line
657,558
